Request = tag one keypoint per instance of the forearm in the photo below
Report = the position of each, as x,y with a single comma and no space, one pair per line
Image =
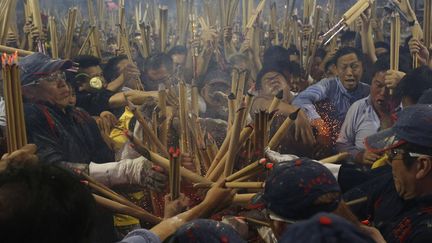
167,227
137,97
116,84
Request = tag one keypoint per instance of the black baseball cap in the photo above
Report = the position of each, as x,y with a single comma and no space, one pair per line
37,65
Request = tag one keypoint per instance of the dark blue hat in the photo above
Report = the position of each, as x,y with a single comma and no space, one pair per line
293,187
206,230
36,65
414,126
324,227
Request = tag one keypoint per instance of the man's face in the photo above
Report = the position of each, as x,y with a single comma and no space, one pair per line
404,177
379,95
316,72
350,70
53,88
214,93
92,72
178,59
272,83
156,77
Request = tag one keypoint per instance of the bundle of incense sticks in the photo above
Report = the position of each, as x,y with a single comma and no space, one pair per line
183,107
254,16
162,99
125,209
312,45
335,158
427,23
6,8
234,141
174,173
243,198
261,133
163,27
11,50
274,23
347,19
231,109
16,130
70,32
195,53
147,130
394,42
230,11
53,35
282,130
37,22
252,168
182,21
218,164
100,6
164,163
145,41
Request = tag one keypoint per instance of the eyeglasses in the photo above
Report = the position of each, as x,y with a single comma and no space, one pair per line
392,153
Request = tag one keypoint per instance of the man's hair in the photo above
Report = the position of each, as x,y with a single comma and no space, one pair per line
177,50
110,70
382,44
237,58
321,53
348,50
347,36
414,83
275,54
381,65
426,97
86,61
44,203
292,50
159,60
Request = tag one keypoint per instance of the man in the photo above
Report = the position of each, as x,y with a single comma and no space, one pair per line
95,95
338,93
159,70
399,203
70,137
366,116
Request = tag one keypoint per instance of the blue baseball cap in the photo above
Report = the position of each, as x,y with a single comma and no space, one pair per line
413,126
324,227
293,187
206,230
37,65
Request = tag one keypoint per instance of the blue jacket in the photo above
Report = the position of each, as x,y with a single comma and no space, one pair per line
332,91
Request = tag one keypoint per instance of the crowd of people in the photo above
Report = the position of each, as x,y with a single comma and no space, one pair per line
106,127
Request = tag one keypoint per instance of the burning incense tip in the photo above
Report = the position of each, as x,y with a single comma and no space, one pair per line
263,161
269,166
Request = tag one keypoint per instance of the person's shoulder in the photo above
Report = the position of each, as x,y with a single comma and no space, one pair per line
360,104
34,111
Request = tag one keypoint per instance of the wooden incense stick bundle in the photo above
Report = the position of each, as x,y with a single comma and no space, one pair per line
335,158
356,201
231,109
243,198
5,17
235,184
124,209
164,163
162,99
70,32
249,98
427,23
145,41
254,166
220,166
54,39
16,130
163,27
394,42
278,136
147,129
254,16
236,129
174,173
276,101
11,50
182,117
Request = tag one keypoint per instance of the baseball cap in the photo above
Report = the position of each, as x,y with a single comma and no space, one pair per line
36,65
206,230
324,227
414,126
293,187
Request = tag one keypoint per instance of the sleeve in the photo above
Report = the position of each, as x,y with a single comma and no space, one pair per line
307,98
347,135
141,236
40,133
2,112
94,103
